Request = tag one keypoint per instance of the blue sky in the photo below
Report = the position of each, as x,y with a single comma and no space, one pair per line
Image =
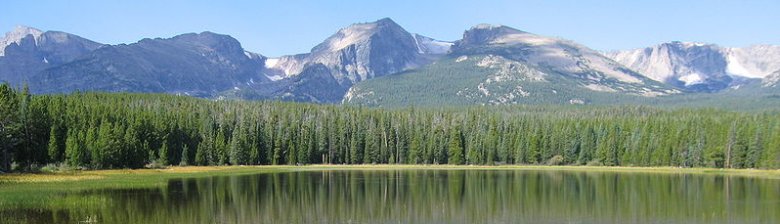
282,27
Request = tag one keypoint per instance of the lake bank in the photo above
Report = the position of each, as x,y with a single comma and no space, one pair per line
198,171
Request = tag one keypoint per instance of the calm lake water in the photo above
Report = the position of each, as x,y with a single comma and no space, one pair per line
421,196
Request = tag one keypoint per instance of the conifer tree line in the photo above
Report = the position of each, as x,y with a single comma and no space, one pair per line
122,130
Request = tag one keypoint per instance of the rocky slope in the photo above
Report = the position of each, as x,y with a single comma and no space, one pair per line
194,64
772,80
503,65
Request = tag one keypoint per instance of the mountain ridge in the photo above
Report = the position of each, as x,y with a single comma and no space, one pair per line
214,65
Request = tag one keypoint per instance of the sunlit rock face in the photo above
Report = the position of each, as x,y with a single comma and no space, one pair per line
701,67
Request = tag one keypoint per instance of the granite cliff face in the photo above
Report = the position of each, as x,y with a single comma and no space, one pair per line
353,54
362,51
701,67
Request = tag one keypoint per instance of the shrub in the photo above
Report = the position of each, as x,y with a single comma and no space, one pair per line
155,164
555,160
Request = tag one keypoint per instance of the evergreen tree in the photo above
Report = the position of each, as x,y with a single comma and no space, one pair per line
134,150
239,147
221,147
414,149
55,154
74,150
755,150
185,156
455,147
162,155
205,150
8,125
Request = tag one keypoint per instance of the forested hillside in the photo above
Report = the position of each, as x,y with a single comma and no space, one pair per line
98,130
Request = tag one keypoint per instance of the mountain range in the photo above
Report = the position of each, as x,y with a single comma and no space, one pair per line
381,64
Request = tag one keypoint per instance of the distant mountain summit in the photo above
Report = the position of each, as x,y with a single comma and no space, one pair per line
355,53
26,51
201,64
17,35
363,51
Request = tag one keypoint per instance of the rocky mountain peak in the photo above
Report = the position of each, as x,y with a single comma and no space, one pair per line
483,34
212,42
16,35
360,51
359,33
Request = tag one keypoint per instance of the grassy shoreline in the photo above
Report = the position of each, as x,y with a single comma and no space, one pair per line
123,175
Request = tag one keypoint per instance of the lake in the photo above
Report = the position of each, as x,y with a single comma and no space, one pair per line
414,196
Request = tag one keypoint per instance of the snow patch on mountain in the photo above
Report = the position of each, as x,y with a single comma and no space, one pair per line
692,79
427,45
734,67
286,66
271,62
753,62
16,36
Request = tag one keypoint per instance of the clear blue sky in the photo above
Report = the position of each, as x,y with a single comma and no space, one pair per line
282,27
